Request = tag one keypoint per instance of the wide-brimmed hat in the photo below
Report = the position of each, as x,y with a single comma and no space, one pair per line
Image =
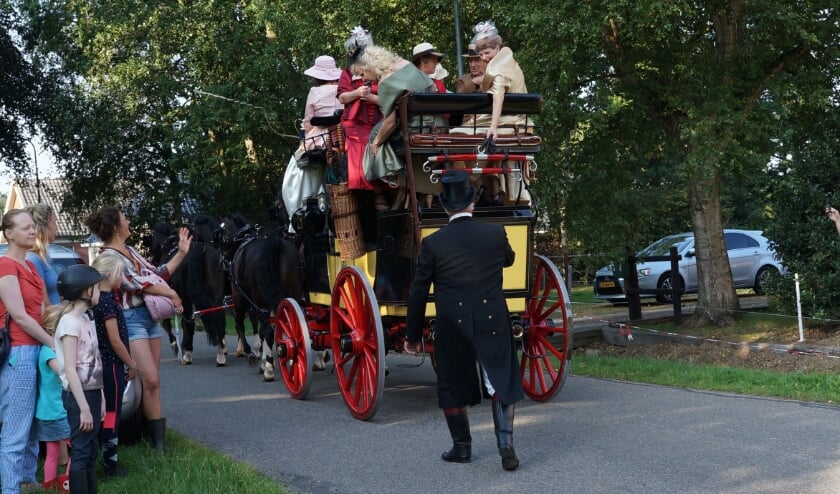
471,53
324,69
424,48
457,192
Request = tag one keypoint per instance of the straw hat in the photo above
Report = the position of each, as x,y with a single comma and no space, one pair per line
324,69
425,49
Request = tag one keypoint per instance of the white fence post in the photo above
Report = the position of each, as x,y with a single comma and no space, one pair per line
799,308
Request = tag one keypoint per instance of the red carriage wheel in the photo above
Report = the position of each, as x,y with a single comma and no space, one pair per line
547,341
358,344
293,348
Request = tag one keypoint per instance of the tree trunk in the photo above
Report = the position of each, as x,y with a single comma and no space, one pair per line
716,299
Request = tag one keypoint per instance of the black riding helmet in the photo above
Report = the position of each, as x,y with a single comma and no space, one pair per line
74,280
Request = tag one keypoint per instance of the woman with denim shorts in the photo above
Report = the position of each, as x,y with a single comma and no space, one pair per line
112,227
22,297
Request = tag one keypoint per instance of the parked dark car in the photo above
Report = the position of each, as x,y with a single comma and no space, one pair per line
750,257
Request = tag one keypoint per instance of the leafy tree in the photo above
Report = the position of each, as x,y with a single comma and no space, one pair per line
674,98
18,94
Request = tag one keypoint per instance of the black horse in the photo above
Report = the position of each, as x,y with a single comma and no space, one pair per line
200,282
264,269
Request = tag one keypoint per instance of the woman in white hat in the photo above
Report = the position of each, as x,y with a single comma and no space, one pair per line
301,183
426,58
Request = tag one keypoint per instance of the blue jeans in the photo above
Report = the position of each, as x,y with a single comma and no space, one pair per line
84,446
140,324
18,391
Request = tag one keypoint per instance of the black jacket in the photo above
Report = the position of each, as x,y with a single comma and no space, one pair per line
464,260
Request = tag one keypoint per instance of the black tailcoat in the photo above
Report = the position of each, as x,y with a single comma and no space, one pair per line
464,260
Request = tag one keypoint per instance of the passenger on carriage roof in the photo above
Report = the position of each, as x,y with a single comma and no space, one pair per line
502,75
361,108
426,58
471,83
301,182
396,76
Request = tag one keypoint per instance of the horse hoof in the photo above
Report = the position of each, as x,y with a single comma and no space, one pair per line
221,361
268,378
240,353
252,360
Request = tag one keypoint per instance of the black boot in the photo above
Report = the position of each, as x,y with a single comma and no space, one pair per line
459,429
156,433
78,482
91,478
503,424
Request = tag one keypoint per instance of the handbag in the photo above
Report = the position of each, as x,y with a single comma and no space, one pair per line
159,307
5,340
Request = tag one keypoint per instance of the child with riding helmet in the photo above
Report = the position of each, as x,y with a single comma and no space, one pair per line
80,369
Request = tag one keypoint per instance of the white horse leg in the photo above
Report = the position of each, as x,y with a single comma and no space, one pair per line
320,362
240,348
224,345
267,358
253,357
187,358
221,360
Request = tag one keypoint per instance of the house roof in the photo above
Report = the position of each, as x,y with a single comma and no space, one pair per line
50,191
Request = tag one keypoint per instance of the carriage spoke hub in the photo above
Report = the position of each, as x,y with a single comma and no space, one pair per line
346,343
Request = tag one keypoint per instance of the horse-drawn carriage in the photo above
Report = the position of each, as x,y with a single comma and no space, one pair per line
356,295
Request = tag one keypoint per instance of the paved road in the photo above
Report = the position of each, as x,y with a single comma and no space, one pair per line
596,436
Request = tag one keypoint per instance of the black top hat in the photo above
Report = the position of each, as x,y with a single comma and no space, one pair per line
457,192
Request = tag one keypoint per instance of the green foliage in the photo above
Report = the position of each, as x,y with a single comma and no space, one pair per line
19,91
807,241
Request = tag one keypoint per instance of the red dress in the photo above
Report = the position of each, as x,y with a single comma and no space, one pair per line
358,119
32,291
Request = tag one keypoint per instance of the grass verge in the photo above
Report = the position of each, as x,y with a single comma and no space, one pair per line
187,467
818,387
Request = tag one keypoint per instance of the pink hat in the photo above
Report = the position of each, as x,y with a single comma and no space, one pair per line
324,69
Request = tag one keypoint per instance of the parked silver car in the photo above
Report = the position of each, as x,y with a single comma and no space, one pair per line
750,257
60,256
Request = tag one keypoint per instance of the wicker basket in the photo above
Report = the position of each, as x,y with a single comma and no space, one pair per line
348,230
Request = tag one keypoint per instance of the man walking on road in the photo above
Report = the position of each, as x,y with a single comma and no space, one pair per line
465,260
